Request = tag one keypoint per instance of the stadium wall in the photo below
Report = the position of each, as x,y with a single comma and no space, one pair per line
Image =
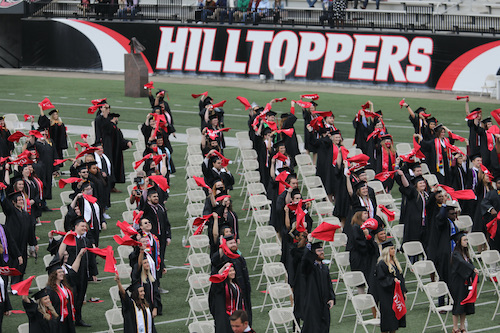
415,60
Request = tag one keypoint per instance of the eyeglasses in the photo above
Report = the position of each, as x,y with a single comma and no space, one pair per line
84,171
146,222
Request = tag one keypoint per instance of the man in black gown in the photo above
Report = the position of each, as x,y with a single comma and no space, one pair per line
6,147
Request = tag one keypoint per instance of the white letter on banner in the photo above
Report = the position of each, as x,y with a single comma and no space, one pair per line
258,38
391,61
230,63
312,48
193,49
339,49
420,68
168,46
206,62
292,46
361,55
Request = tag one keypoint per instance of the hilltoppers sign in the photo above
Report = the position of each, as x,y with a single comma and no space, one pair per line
437,61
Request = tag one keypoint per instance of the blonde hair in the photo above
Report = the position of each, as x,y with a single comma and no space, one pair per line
385,256
43,310
146,274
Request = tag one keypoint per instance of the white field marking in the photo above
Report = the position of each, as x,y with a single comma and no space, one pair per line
177,105
119,101
342,116
387,119
474,331
63,97
82,99
28,95
138,102
12,94
455,124
237,109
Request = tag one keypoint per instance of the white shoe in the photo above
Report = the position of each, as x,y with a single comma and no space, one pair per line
106,216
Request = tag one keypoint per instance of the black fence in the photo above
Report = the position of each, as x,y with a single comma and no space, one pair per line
411,19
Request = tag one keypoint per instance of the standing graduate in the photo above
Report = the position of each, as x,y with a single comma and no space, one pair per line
91,212
5,306
114,145
137,314
6,146
42,316
225,297
57,130
20,226
62,298
388,273
490,206
287,121
462,274
101,117
145,274
317,289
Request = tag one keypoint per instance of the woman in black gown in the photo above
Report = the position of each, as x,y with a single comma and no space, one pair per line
225,297
42,316
461,276
62,298
148,280
387,273
57,130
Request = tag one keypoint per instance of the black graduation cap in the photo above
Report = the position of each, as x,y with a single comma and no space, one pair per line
432,120
387,243
358,185
114,115
76,220
266,131
17,176
212,116
151,191
152,142
134,286
449,207
40,294
497,178
476,109
386,137
359,171
271,113
278,144
420,109
486,120
359,209
156,107
229,237
30,147
415,165
337,131
457,236
91,163
53,266
474,156
438,127
380,226
2,117
81,167
284,115
53,111
314,103
316,245
417,179
285,168
97,143
14,195
379,112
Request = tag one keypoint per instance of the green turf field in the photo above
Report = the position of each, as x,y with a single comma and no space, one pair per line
72,97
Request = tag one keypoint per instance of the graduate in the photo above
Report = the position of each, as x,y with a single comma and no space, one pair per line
145,273
263,145
386,160
287,121
42,316
91,212
462,274
6,146
44,163
308,115
62,298
156,213
225,297
490,206
5,306
317,289
136,311
388,273
57,130
101,117
213,170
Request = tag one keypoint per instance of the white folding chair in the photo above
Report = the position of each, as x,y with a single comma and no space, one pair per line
190,185
477,239
194,171
199,243
311,182
352,280
321,204
425,169
128,216
123,252
59,225
370,174
412,249
194,210
124,272
41,281
47,259
339,241
421,269
265,234
491,259
464,223
196,196
496,280
23,328
431,179
65,199
253,189
257,202
433,291
198,282
377,186
249,177
274,272
363,304
198,304
282,317
268,252
114,318
198,263
342,262
386,200
403,148
280,294
397,232
201,327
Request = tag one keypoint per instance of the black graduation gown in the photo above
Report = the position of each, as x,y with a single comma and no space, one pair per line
491,200
158,217
68,326
11,249
100,189
5,305
45,162
476,134
412,219
306,114
317,291
6,147
291,143
31,188
242,277
440,239
129,315
114,145
152,294
478,224
462,180
324,167
217,304
361,132
389,182
57,133
297,281
36,321
385,292
263,158
429,150
361,252
461,276
211,175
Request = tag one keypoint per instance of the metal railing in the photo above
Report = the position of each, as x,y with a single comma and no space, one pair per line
411,19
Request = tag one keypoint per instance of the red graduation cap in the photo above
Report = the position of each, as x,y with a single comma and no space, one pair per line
218,278
473,115
126,240
9,271
98,101
69,239
90,150
222,197
383,176
244,101
280,156
463,97
370,224
220,104
325,231
225,161
46,104
310,96
303,104
161,181
57,162
108,255
137,216
280,99
389,213
36,134
28,117
316,123
81,144
472,295
149,85
287,132
198,95
22,288
90,198
227,251
401,103
365,106
360,158
93,108
70,180
139,162
201,182
126,228
455,136
324,114
14,137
